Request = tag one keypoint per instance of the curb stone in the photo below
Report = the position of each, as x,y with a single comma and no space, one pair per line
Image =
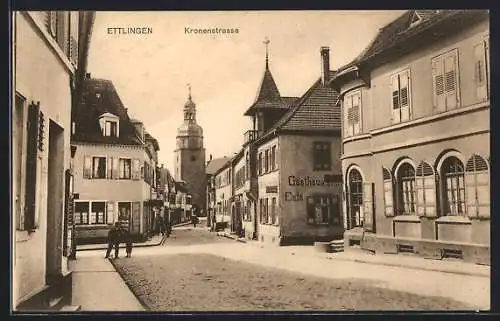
143,304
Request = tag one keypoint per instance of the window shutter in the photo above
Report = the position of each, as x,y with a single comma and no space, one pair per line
135,169
470,194
405,99
487,62
345,206
115,169
480,71
348,116
368,206
135,220
426,190
450,80
110,212
396,104
483,194
31,167
388,196
109,167
438,84
477,187
87,167
356,119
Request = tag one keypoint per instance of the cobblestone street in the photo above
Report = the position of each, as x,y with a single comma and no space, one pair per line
198,271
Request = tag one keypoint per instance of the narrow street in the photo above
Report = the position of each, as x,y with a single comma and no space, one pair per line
199,271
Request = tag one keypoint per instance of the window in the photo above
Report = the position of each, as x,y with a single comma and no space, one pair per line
98,211
261,210
426,190
481,76
273,158
87,213
323,209
273,211
125,167
99,167
453,189
248,210
247,166
477,187
110,128
266,161
405,189
124,211
445,81
401,99
355,198
352,114
322,158
266,211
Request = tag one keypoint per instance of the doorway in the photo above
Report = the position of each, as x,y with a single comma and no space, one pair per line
55,201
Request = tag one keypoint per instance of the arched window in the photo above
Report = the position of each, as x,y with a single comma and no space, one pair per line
388,197
355,194
426,190
453,187
406,189
477,187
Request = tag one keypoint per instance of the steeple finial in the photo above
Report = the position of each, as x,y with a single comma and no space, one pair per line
189,89
266,42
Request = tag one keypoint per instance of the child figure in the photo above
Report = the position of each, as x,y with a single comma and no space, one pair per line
128,247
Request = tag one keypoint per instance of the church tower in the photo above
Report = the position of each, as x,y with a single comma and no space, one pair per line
190,155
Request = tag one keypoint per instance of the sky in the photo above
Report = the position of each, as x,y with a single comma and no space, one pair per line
151,71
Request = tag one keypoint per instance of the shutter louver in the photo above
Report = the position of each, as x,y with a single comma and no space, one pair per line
368,216
438,84
450,81
356,119
404,89
396,113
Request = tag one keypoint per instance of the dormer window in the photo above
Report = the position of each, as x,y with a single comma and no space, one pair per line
110,128
110,125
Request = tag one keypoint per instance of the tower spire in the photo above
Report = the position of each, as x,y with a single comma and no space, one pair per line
189,89
266,42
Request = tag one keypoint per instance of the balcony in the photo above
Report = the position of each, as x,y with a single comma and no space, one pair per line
250,136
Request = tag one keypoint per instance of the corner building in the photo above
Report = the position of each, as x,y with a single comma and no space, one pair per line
416,132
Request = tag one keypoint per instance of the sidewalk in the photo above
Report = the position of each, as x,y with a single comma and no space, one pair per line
394,260
98,287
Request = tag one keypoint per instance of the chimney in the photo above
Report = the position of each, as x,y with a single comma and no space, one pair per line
87,75
325,65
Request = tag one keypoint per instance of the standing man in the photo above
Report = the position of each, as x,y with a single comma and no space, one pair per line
114,240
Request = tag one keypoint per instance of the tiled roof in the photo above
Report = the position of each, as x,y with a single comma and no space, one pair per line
268,95
399,30
87,112
317,109
215,164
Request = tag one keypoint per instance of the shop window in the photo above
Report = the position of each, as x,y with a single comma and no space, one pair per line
405,189
426,190
98,209
322,158
98,167
125,167
323,210
355,198
453,187
477,187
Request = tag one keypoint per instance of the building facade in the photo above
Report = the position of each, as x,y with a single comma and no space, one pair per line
213,165
416,132
49,56
223,195
286,177
190,156
114,166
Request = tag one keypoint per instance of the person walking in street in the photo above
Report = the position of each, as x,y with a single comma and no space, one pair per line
113,240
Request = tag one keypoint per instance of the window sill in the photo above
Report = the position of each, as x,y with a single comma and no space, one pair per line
453,219
410,218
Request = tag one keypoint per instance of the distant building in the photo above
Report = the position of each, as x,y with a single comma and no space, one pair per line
223,194
416,134
190,156
115,166
50,51
213,165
